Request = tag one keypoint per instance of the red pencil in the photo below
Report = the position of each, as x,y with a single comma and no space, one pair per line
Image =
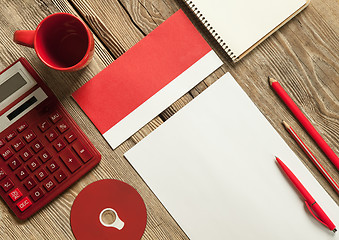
305,122
312,157
311,204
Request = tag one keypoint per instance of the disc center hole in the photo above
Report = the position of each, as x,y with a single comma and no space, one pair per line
108,217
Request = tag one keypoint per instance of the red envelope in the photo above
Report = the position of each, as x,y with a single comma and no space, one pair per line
147,79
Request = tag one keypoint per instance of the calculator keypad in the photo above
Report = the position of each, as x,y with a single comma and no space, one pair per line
7,184
41,175
70,160
24,204
29,183
70,136
14,163
2,174
52,166
33,164
37,159
10,136
2,143
51,135
22,127
18,145
55,117
26,154
44,125
15,194
37,146
29,136
22,174
60,176
37,194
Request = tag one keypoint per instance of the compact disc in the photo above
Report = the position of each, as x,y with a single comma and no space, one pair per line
108,197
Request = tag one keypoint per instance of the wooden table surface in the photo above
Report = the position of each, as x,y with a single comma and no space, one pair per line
302,55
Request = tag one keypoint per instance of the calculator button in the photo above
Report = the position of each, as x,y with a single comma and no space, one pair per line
41,175
29,183
6,153
70,137
2,174
55,117
2,142
10,136
45,156
49,185
7,185
59,145
22,127
24,204
37,146
22,174
29,136
43,126
62,127
83,153
37,194
60,176
33,165
25,155
51,135
18,145
70,160
52,166
15,194
14,163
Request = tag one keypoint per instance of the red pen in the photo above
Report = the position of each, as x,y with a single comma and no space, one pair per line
311,204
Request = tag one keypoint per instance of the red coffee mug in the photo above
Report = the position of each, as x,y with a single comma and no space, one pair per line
61,40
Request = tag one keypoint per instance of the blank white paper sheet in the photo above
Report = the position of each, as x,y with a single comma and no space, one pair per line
212,165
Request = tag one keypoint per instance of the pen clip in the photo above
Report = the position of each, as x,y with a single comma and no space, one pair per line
313,214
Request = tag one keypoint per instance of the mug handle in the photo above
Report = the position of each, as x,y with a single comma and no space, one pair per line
24,37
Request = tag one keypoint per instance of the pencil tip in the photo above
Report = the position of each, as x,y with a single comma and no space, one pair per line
271,80
286,125
334,230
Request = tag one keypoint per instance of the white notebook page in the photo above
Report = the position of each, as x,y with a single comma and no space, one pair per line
212,165
242,23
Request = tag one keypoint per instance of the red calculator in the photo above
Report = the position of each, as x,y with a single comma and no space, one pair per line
42,149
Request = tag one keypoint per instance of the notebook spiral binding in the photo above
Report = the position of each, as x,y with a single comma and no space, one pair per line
208,26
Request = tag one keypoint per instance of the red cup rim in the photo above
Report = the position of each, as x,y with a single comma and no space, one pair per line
82,61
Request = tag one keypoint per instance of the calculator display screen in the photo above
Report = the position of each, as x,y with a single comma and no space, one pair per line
11,85
22,108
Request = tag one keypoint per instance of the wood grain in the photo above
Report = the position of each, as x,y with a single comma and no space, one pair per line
303,56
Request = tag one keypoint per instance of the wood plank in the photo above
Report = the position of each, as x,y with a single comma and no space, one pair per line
111,24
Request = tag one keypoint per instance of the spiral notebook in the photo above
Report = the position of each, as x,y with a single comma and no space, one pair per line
239,26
